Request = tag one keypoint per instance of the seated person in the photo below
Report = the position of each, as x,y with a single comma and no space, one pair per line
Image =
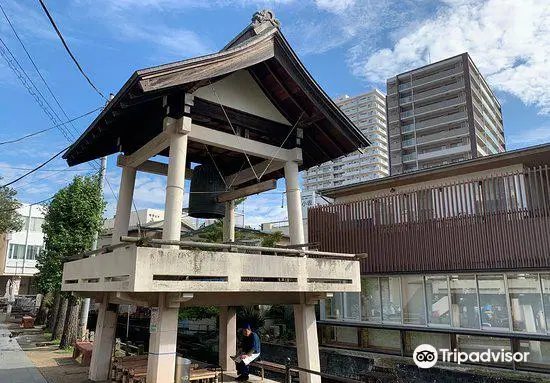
250,350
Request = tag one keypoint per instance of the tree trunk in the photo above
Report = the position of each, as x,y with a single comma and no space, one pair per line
70,330
60,321
55,311
42,312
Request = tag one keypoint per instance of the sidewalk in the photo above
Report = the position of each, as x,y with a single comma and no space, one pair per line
15,366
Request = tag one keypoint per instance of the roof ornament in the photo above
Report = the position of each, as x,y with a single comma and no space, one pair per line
262,19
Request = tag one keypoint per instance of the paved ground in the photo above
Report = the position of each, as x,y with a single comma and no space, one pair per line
15,366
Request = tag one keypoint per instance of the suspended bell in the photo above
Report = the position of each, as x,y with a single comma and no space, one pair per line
206,185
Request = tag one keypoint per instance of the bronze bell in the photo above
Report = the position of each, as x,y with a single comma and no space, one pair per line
206,185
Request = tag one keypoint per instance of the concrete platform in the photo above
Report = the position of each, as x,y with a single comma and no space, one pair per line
135,269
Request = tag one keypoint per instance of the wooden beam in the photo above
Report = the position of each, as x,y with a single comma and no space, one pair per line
256,124
235,143
150,149
248,175
160,169
247,190
285,88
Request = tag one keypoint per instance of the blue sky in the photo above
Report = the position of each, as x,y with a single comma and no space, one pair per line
349,46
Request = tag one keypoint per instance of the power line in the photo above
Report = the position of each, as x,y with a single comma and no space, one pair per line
68,50
48,129
43,170
35,169
35,66
29,84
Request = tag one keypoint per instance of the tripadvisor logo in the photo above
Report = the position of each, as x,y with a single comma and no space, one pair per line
426,356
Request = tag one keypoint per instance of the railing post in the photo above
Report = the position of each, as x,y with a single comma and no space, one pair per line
288,376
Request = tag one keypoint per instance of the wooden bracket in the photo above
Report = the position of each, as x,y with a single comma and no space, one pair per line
247,190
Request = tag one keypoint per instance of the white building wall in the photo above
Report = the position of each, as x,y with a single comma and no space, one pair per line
17,262
142,217
368,112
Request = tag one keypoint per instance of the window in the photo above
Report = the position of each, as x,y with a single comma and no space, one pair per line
370,300
379,339
340,336
16,251
545,281
414,339
333,306
352,306
464,301
539,353
414,309
33,251
525,302
439,308
391,299
492,299
471,343
36,225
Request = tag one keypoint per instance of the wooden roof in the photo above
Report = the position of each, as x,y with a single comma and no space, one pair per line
135,114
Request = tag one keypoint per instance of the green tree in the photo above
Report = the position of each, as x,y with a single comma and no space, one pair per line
10,219
213,233
271,239
72,218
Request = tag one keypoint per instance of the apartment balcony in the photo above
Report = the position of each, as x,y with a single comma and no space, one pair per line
408,143
442,136
396,160
409,157
443,120
434,107
211,268
482,126
444,152
436,77
432,93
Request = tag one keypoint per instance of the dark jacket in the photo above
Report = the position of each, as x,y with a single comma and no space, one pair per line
251,343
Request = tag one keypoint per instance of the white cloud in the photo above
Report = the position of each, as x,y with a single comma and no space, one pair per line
335,6
508,40
529,137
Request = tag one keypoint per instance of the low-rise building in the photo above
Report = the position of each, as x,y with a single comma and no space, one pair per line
455,257
18,250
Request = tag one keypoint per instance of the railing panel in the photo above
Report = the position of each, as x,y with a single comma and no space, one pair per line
488,223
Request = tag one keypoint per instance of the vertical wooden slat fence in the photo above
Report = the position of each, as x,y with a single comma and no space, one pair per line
498,222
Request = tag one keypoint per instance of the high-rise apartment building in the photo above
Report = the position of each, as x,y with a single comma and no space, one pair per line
368,112
441,113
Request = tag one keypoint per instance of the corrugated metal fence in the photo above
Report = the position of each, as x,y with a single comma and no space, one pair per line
499,222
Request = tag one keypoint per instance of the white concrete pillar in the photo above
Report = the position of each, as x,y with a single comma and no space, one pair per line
307,343
124,204
175,181
294,204
100,365
229,222
161,363
228,338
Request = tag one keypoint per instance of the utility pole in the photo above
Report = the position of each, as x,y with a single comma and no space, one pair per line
27,240
85,307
